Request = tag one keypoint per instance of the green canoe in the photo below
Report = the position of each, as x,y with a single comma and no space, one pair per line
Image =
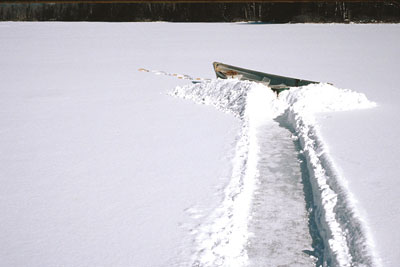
275,82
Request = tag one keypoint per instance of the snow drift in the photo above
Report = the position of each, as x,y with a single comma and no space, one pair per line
222,240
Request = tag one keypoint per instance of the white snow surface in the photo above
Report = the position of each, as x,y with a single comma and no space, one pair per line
99,167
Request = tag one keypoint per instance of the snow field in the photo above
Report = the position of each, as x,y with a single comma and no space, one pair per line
96,161
345,238
99,167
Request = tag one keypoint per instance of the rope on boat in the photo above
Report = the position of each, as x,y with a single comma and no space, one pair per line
179,76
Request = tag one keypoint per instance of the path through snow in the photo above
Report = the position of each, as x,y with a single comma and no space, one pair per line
263,219
279,219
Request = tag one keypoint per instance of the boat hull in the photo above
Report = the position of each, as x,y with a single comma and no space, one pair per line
275,82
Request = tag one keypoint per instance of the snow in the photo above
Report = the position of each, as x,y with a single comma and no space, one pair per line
346,240
101,167
223,240
98,163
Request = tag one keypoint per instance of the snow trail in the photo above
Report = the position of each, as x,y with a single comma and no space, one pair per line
279,219
273,197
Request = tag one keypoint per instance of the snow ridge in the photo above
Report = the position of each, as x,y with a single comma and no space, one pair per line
344,233
228,96
222,240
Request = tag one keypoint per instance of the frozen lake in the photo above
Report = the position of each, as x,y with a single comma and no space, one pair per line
100,166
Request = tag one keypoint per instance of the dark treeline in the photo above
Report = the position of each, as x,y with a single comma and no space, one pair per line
270,12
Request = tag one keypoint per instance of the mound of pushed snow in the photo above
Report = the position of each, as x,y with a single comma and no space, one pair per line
230,96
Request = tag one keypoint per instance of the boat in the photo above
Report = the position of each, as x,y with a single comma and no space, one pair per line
275,82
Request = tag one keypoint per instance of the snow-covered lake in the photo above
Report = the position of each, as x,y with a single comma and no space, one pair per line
102,165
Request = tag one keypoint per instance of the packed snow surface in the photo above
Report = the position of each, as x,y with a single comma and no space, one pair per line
100,167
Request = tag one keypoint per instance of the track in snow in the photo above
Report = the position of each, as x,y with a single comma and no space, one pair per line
284,205
279,218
